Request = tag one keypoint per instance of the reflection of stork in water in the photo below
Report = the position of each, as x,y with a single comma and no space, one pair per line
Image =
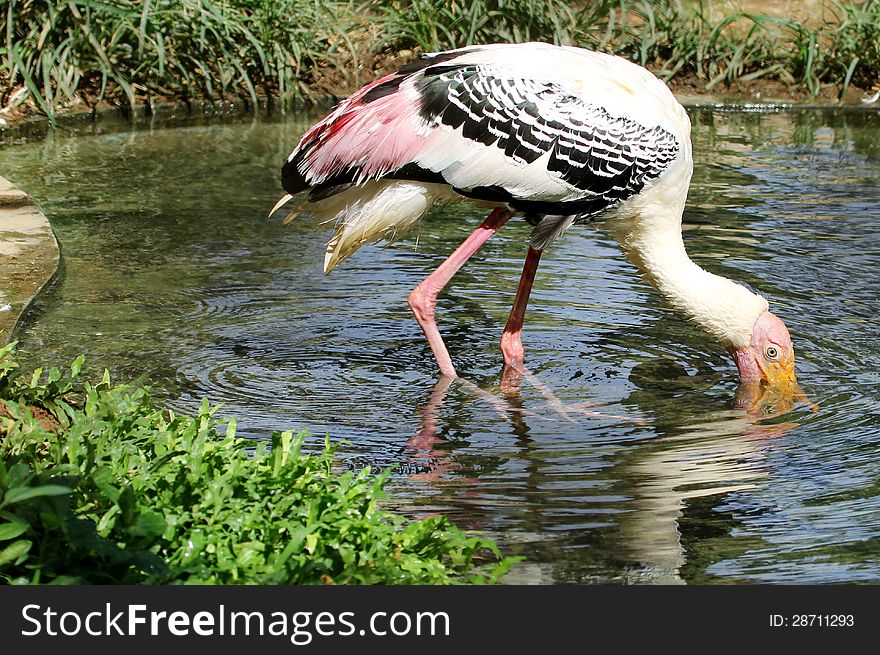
713,459
660,476
424,445
558,135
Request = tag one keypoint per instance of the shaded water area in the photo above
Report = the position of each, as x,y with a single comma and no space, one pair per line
172,273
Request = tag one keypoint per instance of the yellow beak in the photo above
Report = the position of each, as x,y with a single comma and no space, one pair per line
779,373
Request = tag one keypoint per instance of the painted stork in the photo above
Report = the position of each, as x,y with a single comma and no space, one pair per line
559,135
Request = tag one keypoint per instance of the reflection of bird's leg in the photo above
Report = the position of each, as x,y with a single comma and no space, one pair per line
430,413
426,440
511,381
423,298
511,338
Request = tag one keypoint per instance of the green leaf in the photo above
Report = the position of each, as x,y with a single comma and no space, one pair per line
20,494
149,524
14,551
154,497
12,530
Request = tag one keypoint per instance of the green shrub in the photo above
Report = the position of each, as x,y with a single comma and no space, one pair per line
671,38
188,49
130,50
431,25
107,488
850,50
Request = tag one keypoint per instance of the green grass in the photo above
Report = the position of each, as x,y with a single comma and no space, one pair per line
848,51
673,39
189,49
98,485
430,25
129,51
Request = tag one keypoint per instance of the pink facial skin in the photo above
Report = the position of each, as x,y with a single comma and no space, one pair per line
769,357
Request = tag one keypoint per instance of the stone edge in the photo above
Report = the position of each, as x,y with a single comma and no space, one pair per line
29,256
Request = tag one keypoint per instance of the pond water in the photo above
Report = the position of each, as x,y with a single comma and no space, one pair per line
173,273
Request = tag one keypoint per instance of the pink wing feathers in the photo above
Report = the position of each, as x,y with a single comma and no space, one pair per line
369,138
375,130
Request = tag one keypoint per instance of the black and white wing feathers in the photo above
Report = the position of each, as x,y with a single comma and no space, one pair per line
533,144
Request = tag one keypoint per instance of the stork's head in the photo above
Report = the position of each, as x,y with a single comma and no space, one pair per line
769,357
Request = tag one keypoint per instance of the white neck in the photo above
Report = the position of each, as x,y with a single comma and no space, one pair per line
650,233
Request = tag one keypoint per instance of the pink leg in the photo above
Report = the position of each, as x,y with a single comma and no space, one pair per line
511,338
423,298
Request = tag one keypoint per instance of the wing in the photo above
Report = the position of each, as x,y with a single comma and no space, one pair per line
491,134
371,134
533,144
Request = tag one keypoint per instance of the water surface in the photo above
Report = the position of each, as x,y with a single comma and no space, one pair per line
172,273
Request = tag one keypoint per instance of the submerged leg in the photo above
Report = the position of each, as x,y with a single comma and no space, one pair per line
511,338
423,298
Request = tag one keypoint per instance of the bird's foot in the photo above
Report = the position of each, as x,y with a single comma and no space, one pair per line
502,406
509,406
512,350
511,385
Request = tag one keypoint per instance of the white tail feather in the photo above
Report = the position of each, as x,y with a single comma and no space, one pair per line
383,209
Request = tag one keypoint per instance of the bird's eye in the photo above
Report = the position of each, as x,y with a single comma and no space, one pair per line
771,352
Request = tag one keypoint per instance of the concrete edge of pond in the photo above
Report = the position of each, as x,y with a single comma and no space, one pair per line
29,255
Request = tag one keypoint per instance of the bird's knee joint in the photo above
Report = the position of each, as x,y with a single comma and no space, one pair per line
421,304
